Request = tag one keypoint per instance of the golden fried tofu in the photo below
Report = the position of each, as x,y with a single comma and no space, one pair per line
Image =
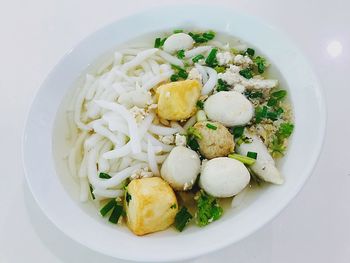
151,205
177,100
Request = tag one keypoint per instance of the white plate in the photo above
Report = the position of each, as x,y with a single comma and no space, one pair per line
67,215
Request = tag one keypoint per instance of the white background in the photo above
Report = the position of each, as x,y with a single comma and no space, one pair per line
315,227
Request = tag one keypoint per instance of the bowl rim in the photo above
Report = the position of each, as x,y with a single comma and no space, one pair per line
216,245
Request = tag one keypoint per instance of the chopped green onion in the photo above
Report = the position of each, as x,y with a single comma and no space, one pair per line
253,94
104,176
197,58
220,69
116,213
181,54
285,129
200,104
211,60
272,115
183,74
192,143
193,131
104,210
253,155
272,102
157,42
174,77
211,126
222,85
243,139
247,73
173,206
91,192
242,158
182,218
209,35
238,131
127,197
178,31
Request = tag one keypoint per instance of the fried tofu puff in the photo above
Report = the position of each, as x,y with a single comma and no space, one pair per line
177,100
150,204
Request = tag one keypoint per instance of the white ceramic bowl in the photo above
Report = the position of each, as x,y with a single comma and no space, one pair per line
68,215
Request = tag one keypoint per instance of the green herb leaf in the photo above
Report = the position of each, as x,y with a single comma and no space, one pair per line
247,73
182,218
250,52
253,155
211,60
260,113
181,54
173,206
104,176
208,209
253,94
108,207
209,35
202,38
174,77
200,104
272,102
197,58
116,213
285,129
222,85
211,126
244,159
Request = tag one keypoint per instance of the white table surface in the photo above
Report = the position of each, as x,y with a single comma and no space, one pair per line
315,227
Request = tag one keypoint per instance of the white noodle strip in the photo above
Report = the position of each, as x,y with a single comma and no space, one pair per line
130,80
84,189
196,51
141,56
143,157
130,51
103,164
108,193
133,131
219,45
178,127
154,66
72,157
83,167
190,122
72,131
157,79
118,152
210,84
119,177
203,72
160,130
92,141
165,147
125,162
91,91
152,158
146,67
118,57
171,59
157,149
79,103
145,124
100,129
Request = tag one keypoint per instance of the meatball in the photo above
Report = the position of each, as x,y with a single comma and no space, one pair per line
181,168
177,100
231,108
216,140
150,205
224,177
178,41
264,166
